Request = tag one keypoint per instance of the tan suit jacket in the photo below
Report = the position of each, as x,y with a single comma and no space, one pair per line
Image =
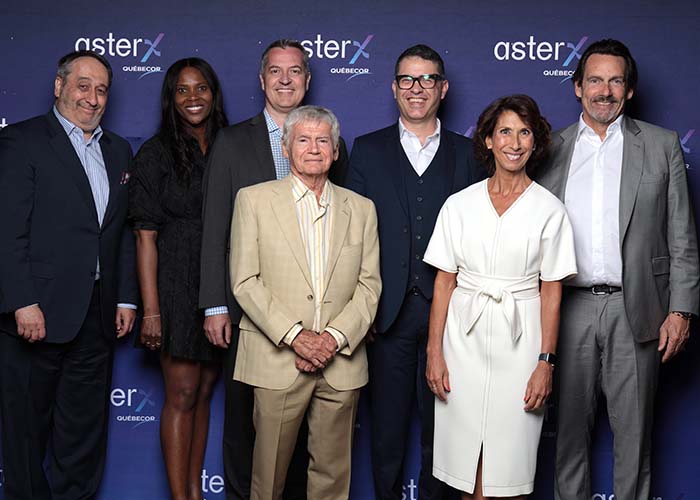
271,281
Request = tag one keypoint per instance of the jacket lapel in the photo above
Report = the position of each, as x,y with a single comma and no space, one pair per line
563,151
69,160
340,213
114,171
395,154
632,165
260,139
286,214
450,157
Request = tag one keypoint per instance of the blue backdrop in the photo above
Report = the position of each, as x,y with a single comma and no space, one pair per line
490,49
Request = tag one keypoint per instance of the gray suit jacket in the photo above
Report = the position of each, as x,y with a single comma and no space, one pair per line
658,241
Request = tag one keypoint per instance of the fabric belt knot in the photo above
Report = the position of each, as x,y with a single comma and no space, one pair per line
505,292
494,292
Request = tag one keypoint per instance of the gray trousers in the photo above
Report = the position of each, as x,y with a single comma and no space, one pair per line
597,352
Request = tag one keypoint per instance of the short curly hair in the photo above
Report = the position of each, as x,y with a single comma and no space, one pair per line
528,111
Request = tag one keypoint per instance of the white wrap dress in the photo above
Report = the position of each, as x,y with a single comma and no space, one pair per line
493,332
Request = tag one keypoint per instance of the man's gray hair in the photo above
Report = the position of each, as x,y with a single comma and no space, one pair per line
314,114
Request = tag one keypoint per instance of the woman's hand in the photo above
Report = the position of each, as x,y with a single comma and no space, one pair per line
437,375
539,387
150,332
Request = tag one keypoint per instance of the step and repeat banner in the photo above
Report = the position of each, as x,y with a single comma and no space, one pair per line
490,49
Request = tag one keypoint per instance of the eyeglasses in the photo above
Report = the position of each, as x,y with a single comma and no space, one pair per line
406,82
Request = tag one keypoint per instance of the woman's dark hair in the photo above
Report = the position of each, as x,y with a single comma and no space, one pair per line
173,131
528,111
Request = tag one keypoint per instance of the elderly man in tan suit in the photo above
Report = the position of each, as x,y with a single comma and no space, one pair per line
305,270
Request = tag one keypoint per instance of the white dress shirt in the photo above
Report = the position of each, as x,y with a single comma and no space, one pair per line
420,155
593,202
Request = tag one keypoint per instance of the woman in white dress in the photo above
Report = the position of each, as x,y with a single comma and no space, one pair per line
501,247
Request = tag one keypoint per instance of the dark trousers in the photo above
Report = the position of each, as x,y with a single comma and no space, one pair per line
397,360
239,438
57,393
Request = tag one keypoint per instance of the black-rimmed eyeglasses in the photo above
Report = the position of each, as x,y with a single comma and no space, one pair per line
406,82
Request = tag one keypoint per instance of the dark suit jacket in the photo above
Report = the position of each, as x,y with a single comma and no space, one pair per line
241,156
658,242
51,238
375,172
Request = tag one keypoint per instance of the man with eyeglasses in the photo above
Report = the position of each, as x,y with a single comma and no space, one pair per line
408,169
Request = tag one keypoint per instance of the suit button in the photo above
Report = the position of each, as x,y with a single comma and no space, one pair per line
419,218
418,236
420,181
419,199
417,257
310,297
405,229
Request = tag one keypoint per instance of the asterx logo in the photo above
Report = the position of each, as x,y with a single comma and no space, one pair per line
136,399
145,401
125,47
685,139
152,47
575,50
321,48
361,49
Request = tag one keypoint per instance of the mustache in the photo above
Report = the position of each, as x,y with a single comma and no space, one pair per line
605,99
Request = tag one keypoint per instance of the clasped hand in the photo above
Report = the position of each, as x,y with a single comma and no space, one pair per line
313,351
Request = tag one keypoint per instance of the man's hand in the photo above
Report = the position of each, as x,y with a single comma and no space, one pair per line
151,332
303,365
217,328
313,348
673,335
124,322
329,342
30,323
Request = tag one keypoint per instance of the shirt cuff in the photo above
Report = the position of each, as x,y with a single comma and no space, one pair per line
292,334
127,306
339,337
213,311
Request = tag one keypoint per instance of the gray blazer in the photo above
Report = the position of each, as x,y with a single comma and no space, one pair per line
658,241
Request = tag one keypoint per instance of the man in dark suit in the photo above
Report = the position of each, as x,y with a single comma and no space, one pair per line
244,154
67,285
408,170
624,185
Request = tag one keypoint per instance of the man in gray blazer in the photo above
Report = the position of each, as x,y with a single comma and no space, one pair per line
624,184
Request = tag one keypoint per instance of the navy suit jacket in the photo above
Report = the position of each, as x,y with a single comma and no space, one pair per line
375,164
51,239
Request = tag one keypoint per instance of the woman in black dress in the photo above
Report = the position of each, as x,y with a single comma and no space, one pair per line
165,207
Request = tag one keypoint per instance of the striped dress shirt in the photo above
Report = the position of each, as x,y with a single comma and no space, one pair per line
315,222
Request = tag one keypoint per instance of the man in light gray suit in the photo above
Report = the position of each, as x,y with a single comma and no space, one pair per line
624,184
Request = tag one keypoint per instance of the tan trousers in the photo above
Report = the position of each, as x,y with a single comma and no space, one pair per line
331,418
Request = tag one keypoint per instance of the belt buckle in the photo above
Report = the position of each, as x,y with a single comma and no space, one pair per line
600,289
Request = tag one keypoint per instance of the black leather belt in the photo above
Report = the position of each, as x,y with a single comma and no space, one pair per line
599,289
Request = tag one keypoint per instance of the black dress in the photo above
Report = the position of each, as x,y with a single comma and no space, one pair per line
158,201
